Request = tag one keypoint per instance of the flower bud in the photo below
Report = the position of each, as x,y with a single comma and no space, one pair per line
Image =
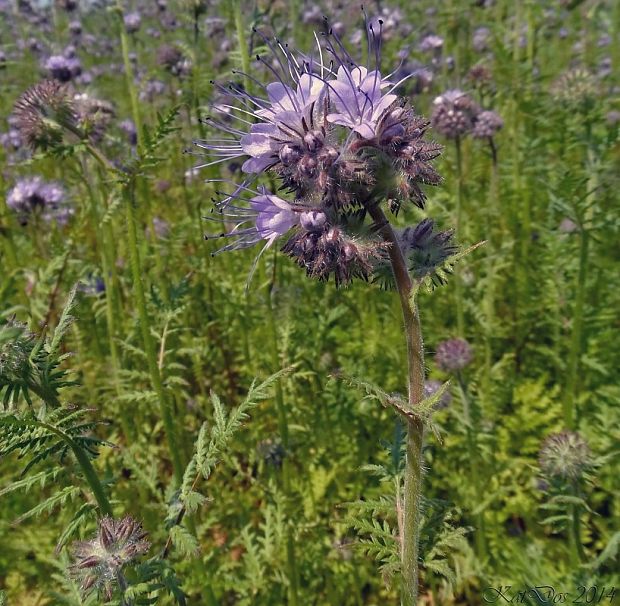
328,156
289,154
307,166
313,220
313,140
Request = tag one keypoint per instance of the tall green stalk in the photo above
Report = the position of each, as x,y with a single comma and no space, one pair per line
90,475
410,529
131,88
577,552
147,339
576,345
291,560
241,39
107,263
458,284
489,298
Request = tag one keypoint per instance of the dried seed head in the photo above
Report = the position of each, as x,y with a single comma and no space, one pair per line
575,88
453,355
43,113
564,455
313,220
94,115
100,561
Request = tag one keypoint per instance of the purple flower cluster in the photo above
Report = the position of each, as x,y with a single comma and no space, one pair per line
34,196
456,114
63,68
338,137
132,22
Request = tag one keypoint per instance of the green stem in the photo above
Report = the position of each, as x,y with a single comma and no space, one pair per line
458,284
578,553
244,50
149,346
410,529
576,346
489,299
87,469
133,95
292,572
108,280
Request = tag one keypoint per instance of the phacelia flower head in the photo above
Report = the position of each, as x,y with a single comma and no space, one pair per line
132,22
454,113
338,138
564,455
431,43
99,562
453,355
173,60
35,197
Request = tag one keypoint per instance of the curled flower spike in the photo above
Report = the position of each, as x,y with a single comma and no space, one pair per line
266,217
99,562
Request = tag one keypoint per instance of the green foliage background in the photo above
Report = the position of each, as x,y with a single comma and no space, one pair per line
558,158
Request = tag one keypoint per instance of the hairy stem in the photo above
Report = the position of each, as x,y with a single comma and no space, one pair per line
410,529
